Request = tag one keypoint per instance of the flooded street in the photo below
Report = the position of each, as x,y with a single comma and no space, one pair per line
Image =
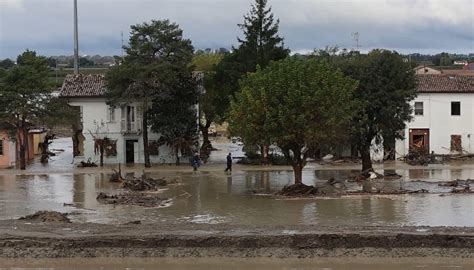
238,264
213,197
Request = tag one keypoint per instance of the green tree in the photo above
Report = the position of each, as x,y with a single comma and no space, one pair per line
261,43
158,62
24,96
386,86
210,100
259,46
6,63
298,105
174,117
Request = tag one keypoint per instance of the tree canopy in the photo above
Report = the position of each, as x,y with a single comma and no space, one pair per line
298,105
386,87
24,96
259,45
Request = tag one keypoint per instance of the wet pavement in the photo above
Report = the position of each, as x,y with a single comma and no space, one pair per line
238,264
213,197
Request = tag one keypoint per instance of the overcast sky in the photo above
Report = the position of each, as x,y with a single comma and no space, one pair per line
426,26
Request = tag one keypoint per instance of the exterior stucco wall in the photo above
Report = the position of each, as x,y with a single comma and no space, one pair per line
95,114
7,159
441,124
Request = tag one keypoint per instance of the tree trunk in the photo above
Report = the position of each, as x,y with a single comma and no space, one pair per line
146,150
298,171
22,149
101,151
354,151
366,159
177,157
265,150
206,144
23,136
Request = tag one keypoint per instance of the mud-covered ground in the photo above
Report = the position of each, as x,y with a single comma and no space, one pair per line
20,239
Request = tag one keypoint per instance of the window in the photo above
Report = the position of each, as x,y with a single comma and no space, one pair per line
1,147
418,108
455,108
111,114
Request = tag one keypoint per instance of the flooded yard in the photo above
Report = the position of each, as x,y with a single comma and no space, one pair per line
213,197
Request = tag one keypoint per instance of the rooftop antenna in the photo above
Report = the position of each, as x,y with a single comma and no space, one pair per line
76,41
355,36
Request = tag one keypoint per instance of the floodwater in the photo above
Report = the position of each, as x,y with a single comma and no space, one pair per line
240,264
216,197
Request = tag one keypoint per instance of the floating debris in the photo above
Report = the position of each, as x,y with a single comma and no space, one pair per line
47,216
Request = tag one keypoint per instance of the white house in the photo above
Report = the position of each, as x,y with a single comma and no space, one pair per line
121,126
443,120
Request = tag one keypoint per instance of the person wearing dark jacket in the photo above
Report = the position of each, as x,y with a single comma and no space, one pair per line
195,162
229,163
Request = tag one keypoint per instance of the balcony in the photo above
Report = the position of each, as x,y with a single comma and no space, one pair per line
131,127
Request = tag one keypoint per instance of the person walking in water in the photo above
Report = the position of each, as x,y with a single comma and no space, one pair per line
229,163
195,161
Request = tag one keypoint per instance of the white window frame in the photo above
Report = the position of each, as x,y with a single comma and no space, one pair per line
422,108
460,108
110,114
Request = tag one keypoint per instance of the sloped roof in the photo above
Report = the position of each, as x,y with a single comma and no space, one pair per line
83,85
444,83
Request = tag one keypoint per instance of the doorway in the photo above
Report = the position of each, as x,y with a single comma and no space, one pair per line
130,151
420,140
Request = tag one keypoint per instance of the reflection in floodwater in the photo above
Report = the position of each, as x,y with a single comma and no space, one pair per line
215,197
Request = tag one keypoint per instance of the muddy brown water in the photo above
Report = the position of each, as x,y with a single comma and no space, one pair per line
215,197
237,264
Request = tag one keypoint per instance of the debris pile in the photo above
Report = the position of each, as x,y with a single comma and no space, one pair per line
134,198
459,185
299,189
418,156
139,191
143,184
86,164
47,216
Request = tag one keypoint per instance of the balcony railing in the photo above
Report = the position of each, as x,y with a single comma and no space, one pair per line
129,127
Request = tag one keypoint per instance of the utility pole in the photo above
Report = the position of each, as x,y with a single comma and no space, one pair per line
76,41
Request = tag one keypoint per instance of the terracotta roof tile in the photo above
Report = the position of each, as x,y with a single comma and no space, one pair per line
83,85
444,83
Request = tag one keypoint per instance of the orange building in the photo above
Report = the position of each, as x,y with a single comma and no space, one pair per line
9,150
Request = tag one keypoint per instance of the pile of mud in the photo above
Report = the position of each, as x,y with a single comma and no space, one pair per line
47,216
134,198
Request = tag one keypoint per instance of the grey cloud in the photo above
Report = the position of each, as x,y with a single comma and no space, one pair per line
405,25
